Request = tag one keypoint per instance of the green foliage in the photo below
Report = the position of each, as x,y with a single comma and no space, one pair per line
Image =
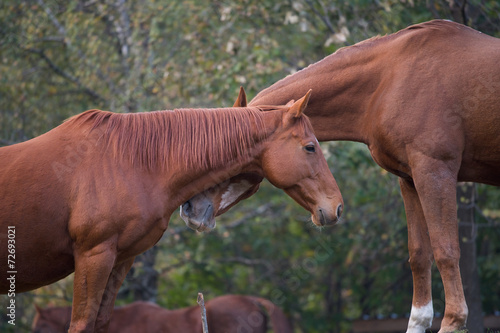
59,58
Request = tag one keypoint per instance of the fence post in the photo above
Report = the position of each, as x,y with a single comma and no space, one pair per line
201,303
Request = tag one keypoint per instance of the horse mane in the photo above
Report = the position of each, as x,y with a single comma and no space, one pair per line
198,138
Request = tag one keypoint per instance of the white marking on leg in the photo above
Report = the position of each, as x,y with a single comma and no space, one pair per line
420,318
233,192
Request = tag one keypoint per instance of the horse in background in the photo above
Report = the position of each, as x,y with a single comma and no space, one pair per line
96,191
426,102
225,314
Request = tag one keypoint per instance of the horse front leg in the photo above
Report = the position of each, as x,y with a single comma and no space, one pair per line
435,182
421,258
115,280
92,271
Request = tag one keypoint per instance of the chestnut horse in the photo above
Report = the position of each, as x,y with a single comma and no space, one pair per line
98,190
426,102
225,314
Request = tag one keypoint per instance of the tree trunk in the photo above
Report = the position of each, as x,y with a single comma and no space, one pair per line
466,199
142,279
458,12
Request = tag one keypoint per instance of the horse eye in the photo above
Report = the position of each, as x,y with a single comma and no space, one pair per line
310,148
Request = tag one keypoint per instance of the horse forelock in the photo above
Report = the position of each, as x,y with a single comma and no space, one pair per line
198,138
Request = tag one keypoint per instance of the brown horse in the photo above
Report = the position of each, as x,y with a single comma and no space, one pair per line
95,192
426,101
225,314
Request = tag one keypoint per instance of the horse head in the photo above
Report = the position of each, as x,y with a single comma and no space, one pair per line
292,160
51,320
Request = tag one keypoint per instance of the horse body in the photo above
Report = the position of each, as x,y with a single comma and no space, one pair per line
98,190
426,102
225,314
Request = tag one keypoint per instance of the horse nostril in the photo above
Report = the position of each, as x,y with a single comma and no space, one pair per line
322,220
339,210
186,207
209,211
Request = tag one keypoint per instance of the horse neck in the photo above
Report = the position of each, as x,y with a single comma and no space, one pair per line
342,87
189,180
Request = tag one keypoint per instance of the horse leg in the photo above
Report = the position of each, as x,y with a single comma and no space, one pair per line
421,259
115,281
435,182
92,270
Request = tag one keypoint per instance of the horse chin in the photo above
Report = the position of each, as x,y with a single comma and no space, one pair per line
200,225
206,226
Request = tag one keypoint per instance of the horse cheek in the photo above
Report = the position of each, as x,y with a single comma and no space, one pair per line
282,169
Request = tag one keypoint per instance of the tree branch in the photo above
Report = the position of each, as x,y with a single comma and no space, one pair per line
55,21
260,210
62,31
66,75
248,262
324,17
458,10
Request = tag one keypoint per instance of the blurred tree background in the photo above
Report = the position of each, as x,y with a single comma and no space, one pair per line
59,58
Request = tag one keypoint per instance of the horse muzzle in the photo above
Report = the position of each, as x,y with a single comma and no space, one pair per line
327,217
196,219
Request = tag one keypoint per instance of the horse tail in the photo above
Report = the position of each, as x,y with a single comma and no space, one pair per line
279,321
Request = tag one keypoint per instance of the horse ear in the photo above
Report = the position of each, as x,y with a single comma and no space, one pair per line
241,101
38,309
298,107
289,104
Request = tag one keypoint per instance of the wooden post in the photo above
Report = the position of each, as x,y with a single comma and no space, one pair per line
201,303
